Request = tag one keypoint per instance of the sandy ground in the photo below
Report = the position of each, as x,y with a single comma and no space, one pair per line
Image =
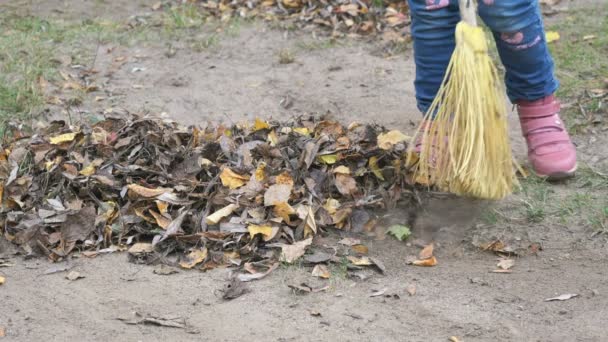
241,78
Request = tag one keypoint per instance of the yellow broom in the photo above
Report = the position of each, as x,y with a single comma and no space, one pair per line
464,136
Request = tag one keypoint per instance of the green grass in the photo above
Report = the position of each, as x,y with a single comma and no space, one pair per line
581,64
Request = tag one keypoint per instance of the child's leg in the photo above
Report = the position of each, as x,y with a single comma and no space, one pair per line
518,30
433,26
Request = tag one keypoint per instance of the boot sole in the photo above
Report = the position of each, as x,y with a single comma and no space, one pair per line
560,176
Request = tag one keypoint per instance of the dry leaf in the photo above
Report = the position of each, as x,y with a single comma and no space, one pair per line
161,221
268,232
257,275
232,180
260,125
386,141
277,193
2,280
432,261
272,138
194,258
331,206
216,217
360,249
342,169
320,271
552,36
373,165
346,184
284,211
349,241
562,297
506,264
302,131
454,339
328,159
291,253
362,261
426,252
141,248
63,138
146,192
73,276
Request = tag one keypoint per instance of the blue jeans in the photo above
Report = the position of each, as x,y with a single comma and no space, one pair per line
520,38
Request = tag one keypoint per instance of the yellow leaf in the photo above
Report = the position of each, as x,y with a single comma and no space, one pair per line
267,232
360,249
284,210
373,165
260,172
341,216
362,261
387,140
272,138
63,138
194,258
217,216
260,125
232,180
2,280
331,206
161,221
162,207
552,36
320,271
285,178
87,171
342,169
328,159
142,191
302,131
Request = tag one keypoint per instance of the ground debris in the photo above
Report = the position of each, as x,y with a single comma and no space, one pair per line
338,17
164,321
217,195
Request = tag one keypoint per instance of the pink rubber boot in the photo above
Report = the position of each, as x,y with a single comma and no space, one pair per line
550,149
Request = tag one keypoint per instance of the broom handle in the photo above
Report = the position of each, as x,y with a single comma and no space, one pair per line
468,11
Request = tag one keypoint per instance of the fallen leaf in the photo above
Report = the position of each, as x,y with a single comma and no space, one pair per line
63,138
233,180
346,184
342,169
161,221
2,280
432,261
273,139
400,232
163,269
378,293
73,276
411,289
217,216
267,232
302,131
260,125
320,271
373,165
194,258
426,252
386,141
284,211
141,248
362,261
277,193
328,159
453,339
360,249
88,171
562,297
552,36
142,191
291,253
506,264
331,206
258,275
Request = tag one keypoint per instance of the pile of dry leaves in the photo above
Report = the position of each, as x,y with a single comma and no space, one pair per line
248,195
362,17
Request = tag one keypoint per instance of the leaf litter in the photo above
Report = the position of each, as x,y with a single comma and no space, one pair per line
215,195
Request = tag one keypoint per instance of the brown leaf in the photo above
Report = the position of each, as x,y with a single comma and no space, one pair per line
320,271
141,191
194,258
426,252
233,180
162,221
346,184
360,249
432,261
77,227
291,253
284,211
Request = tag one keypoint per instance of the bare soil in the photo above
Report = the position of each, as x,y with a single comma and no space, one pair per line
240,77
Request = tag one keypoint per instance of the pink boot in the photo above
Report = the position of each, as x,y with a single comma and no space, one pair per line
550,149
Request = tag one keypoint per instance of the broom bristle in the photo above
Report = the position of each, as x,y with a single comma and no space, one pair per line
469,112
